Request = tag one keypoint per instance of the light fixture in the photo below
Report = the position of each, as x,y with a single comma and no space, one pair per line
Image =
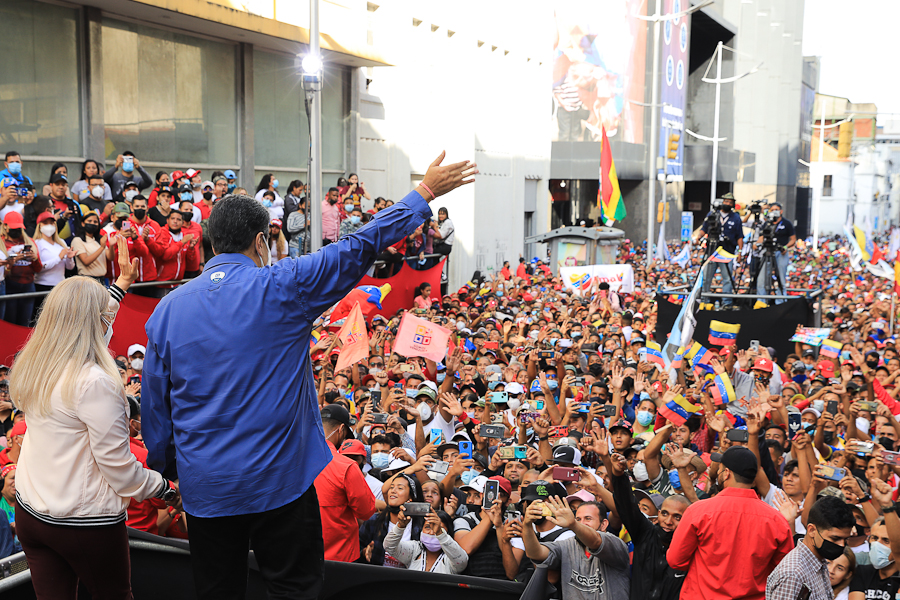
562,183
311,72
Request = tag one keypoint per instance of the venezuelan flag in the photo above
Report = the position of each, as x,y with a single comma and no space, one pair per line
699,358
610,196
830,348
723,334
314,338
654,354
679,358
678,410
721,256
722,390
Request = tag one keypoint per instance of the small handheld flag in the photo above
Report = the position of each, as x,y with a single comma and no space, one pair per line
678,410
699,358
679,358
723,334
721,256
830,348
654,354
722,390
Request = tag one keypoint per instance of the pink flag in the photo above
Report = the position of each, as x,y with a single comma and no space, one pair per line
354,340
419,337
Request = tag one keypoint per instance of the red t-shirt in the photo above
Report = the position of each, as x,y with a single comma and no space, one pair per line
344,497
143,515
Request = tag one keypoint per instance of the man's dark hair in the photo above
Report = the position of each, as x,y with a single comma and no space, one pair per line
234,222
600,508
831,513
743,480
134,408
790,466
332,189
128,153
382,439
12,153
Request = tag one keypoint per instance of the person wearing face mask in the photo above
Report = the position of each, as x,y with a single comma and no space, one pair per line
731,239
274,202
245,305
331,217
190,226
136,358
351,224
231,179
24,263
121,226
785,238
68,212
207,197
179,249
90,258
129,191
162,180
344,496
806,566
704,541
160,212
435,552
57,257
12,167
124,171
149,231
83,189
761,372
879,579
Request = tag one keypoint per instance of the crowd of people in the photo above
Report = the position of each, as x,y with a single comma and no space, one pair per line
68,230
548,435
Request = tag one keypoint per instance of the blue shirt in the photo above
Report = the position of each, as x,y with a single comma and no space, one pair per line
21,177
732,229
227,386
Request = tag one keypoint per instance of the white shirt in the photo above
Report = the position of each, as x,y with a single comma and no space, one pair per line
8,209
276,211
448,232
438,422
375,486
54,267
2,269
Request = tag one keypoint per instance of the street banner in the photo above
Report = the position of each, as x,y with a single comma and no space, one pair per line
420,337
619,277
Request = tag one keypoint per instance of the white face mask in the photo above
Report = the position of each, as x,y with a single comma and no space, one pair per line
97,191
460,325
108,335
640,472
424,411
137,364
130,194
48,230
262,263
514,404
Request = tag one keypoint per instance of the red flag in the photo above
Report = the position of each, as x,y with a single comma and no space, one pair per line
876,255
897,273
419,337
354,338
452,347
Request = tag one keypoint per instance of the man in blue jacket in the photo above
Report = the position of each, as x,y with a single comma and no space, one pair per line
235,341
12,167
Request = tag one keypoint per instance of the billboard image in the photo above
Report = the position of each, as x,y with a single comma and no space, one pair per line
673,88
598,70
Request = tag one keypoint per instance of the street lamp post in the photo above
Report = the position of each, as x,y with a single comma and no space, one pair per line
312,68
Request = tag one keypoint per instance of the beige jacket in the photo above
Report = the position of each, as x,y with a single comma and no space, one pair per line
76,465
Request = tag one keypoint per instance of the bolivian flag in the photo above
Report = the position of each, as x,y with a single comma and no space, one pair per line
611,204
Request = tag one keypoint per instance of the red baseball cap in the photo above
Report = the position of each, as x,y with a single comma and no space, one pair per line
763,364
44,216
826,368
18,429
505,485
353,448
14,220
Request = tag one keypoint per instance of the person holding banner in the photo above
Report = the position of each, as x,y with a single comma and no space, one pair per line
189,413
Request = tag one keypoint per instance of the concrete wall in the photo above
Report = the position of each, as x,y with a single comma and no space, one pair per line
481,94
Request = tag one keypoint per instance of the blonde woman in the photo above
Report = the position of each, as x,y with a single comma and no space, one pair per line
76,472
278,246
56,257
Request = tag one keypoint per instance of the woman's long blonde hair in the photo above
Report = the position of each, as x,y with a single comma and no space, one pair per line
67,340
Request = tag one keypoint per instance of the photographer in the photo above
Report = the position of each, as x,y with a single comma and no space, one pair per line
783,233
724,229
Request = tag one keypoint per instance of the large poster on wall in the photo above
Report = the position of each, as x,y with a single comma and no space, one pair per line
673,88
579,279
598,70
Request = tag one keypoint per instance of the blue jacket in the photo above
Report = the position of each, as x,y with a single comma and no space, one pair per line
227,386
21,178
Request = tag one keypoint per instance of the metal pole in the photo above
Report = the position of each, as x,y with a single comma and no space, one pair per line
893,295
818,201
715,153
314,198
654,133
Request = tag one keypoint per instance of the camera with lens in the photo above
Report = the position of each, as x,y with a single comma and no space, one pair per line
756,208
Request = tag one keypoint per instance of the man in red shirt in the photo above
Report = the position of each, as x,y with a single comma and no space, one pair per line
344,496
521,270
148,230
179,246
192,265
207,190
730,543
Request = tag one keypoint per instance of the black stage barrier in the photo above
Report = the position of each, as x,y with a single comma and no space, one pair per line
161,568
772,326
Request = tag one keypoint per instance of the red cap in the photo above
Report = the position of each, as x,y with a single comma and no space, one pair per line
176,175
45,216
505,485
276,223
763,364
18,429
14,220
826,368
527,297
353,448
192,172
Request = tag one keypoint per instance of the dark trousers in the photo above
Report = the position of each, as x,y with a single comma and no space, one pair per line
287,542
18,312
60,556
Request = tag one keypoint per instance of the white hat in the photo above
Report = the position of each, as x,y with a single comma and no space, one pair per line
136,348
811,410
430,384
397,463
514,388
476,484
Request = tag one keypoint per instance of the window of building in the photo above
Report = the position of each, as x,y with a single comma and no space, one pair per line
168,97
40,92
826,186
281,126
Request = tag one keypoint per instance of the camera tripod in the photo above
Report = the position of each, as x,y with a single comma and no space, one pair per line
767,264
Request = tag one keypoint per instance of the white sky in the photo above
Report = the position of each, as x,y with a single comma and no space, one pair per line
857,42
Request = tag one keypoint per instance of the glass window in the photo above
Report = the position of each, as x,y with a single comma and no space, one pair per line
281,128
168,97
40,108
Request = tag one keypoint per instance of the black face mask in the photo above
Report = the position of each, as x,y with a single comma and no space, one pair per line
140,213
725,208
474,509
186,217
829,550
872,363
118,222
175,230
92,228
628,383
207,195
596,369
828,436
887,443
15,233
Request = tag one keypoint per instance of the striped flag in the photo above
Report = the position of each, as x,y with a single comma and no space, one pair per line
610,196
678,410
830,348
722,390
699,358
721,256
654,354
723,334
678,359
314,338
